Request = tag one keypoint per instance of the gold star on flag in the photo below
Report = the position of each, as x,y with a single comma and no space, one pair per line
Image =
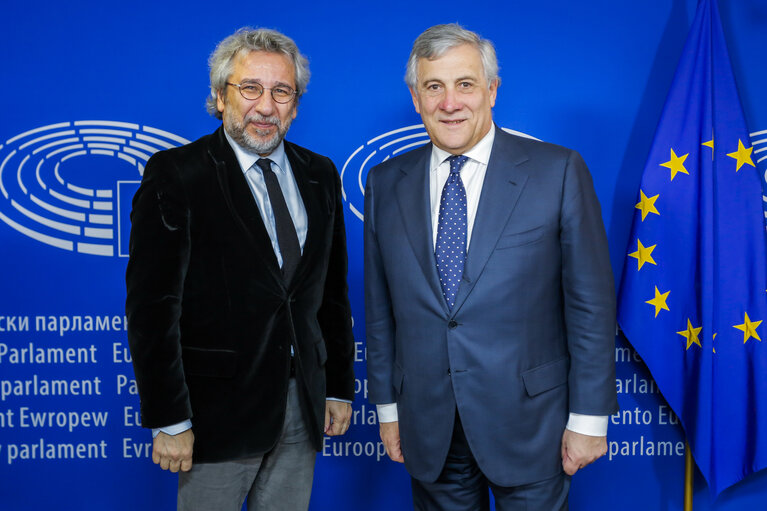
710,144
647,204
742,155
643,255
676,164
691,334
748,328
659,302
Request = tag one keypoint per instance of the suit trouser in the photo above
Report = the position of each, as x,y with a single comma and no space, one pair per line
278,480
463,487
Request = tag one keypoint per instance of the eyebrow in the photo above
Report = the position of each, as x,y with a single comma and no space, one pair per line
459,79
258,81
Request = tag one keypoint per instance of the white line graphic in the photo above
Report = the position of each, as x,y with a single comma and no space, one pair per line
59,182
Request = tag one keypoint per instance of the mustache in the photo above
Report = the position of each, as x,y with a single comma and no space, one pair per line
271,119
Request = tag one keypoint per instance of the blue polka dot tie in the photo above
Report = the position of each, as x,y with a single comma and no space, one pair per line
450,250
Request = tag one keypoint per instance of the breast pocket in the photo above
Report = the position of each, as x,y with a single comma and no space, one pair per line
518,239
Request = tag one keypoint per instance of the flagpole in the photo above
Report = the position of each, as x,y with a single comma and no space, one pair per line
688,477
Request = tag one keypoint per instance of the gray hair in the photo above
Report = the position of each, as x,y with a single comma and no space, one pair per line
247,39
437,40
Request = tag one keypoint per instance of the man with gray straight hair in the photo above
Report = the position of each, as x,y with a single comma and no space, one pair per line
239,322
489,299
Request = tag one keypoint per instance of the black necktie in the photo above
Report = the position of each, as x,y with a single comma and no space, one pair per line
287,238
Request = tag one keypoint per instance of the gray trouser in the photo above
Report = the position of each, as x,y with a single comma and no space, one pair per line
278,480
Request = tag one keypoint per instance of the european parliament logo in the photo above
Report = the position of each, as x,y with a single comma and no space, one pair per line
378,150
69,185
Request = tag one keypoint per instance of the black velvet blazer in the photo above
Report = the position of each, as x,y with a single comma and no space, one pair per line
210,319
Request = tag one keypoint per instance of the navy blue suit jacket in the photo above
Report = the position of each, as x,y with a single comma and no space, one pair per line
531,335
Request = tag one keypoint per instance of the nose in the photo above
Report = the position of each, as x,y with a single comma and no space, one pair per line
451,101
265,105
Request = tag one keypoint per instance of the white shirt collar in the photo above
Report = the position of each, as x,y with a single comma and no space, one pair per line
479,153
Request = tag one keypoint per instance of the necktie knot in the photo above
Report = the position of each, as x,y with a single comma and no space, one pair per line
456,162
264,164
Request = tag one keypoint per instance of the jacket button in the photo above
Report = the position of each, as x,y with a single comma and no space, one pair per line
448,372
453,323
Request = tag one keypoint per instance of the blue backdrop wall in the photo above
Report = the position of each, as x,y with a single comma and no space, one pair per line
91,89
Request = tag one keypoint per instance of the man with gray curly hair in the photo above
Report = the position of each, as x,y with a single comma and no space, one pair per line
239,322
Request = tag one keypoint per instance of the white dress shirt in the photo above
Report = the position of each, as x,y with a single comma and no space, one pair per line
255,177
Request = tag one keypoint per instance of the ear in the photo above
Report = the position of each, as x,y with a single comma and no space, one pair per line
494,91
414,95
220,103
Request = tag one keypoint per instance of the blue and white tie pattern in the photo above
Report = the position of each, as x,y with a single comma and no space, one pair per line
450,250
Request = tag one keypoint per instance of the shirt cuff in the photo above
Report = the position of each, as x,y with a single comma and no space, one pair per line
338,399
387,412
592,425
173,429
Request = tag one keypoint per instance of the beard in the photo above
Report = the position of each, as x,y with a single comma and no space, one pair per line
237,129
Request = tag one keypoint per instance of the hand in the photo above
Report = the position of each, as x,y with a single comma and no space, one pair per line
173,452
338,415
390,437
580,450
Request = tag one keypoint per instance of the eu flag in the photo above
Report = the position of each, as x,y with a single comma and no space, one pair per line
693,297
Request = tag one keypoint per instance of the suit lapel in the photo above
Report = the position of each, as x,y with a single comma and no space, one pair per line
414,200
504,182
240,201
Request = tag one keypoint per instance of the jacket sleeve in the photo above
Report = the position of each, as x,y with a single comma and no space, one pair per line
334,315
379,321
159,257
588,293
